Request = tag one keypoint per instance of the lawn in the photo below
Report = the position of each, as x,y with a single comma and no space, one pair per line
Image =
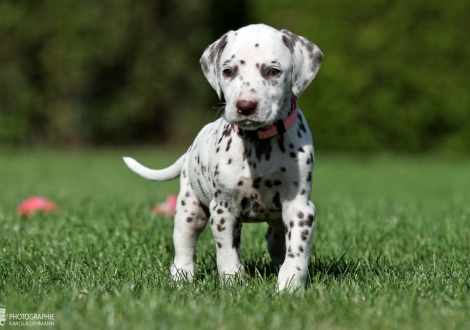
390,251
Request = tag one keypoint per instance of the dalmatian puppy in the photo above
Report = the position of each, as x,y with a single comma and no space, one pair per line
254,164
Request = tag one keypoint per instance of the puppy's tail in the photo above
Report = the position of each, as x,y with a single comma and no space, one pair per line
165,174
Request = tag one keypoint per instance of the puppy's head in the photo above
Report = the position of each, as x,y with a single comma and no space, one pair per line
256,69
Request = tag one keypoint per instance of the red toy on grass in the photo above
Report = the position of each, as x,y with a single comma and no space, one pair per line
168,207
35,204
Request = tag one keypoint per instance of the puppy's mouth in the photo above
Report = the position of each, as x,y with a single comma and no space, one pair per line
250,125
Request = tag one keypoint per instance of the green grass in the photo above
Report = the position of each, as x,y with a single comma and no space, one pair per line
390,251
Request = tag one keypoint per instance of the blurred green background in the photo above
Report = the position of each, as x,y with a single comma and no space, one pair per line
395,75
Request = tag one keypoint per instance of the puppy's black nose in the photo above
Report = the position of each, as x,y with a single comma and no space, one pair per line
245,107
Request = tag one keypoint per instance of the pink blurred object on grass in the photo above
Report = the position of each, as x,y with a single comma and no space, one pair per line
168,207
34,204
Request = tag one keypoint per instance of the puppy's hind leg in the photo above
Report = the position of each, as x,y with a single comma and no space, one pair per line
190,220
275,239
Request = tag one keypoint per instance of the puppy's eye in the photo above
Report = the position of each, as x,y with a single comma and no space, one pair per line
228,72
273,72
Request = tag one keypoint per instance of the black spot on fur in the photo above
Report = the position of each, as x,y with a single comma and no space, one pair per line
309,221
288,42
227,131
236,242
229,142
277,200
262,149
244,202
304,235
301,123
215,51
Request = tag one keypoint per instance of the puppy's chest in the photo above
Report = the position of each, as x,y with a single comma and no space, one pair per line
258,197
249,176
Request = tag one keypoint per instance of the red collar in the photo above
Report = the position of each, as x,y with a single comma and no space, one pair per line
279,127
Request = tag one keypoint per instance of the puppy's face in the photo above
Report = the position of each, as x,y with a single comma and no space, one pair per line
256,69
255,77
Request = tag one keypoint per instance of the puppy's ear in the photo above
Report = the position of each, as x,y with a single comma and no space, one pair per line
306,60
210,62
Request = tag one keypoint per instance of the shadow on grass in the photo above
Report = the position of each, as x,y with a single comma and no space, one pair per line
327,268
321,268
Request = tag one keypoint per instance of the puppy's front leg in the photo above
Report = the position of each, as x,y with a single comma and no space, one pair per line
226,229
299,221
